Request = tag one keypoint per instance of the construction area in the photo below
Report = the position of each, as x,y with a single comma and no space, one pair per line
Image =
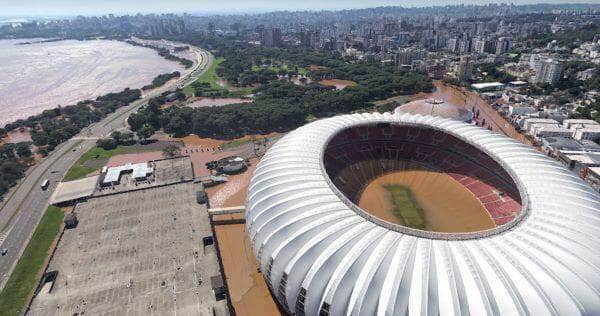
137,251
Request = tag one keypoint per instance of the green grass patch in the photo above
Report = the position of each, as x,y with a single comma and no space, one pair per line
24,278
303,71
210,76
240,92
236,143
96,157
405,207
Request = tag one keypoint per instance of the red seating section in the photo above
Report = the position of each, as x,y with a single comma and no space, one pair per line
472,168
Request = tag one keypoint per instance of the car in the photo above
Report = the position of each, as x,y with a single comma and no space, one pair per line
45,184
4,251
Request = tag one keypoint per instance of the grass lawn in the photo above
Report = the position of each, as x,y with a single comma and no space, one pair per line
210,76
405,206
24,278
276,68
240,92
95,159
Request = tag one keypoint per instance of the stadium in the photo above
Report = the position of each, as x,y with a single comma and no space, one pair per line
475,222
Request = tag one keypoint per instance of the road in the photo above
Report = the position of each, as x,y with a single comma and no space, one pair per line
493,119
25,204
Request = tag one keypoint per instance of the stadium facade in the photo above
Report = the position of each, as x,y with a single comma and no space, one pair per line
322,254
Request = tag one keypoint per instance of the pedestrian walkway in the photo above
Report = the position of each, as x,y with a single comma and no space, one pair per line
3,236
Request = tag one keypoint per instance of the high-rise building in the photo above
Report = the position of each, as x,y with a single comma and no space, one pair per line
550,71
464,68
405,56
270,37
502,45
311,38
464,45
535,62
452,45
479,45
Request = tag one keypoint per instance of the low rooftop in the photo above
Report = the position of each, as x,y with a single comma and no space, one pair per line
74,190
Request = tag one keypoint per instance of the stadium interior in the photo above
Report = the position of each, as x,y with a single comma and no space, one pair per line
356,156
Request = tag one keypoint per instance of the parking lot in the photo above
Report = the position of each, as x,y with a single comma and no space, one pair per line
135,253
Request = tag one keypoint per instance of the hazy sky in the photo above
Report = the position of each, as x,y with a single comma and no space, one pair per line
70,7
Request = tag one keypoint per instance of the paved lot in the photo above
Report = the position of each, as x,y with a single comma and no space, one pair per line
136,253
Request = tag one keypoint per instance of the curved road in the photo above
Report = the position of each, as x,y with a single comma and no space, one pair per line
25,204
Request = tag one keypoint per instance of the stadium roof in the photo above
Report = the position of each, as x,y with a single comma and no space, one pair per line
319,251
74,190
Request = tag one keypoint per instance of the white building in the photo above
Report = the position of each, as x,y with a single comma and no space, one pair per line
579,123
535,62
139,172
551,131
587,133
520,110
527,123
502,45
550,71
487,86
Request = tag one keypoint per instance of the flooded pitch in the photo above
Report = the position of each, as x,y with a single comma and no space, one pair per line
448,206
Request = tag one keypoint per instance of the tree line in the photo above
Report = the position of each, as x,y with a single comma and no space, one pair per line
161,80
165,53
14,159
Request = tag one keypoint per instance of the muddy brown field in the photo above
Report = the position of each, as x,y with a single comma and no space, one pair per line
447,205
247,288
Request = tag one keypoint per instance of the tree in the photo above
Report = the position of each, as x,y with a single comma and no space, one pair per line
106,143
117,136
145,132
127,138
23,149
171,150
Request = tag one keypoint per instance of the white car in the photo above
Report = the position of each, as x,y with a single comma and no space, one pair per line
4,251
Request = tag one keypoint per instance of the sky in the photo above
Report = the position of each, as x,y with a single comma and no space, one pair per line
91,7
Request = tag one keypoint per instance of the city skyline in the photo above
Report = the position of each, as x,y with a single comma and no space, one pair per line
71,7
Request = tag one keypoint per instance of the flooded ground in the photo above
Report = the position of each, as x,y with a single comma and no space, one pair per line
208,102
16,136
40,76
339,84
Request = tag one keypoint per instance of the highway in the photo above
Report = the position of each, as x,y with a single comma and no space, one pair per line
25,204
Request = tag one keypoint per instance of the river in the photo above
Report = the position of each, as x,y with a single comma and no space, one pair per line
40,76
